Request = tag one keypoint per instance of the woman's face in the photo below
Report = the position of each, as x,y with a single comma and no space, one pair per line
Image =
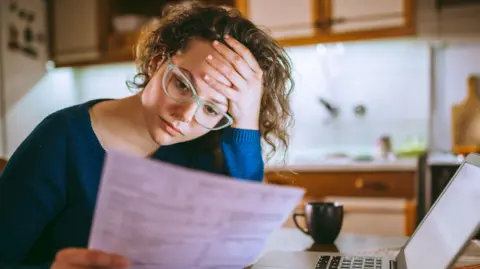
169,121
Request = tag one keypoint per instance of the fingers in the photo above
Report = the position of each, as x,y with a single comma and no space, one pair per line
77,257
215,74
228,92
228,71
238,62
245,53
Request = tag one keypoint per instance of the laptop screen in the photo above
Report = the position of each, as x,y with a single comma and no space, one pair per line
449,223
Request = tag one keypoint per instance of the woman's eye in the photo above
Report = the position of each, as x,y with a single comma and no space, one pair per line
181,85
210,111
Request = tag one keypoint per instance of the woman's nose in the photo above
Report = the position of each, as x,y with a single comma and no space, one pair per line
186,111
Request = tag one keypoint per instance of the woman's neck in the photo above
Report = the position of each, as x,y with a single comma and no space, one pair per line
121,125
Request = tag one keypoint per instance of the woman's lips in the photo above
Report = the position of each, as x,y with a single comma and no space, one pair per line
169,128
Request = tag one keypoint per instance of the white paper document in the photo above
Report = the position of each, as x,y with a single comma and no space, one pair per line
162,216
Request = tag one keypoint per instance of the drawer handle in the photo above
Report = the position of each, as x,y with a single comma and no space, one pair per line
277,182
377,186
359,183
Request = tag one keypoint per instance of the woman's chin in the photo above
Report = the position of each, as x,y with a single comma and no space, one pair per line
163,138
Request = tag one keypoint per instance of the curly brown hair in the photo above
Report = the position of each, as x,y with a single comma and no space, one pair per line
184,21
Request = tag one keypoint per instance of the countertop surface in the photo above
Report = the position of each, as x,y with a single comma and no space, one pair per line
316,163
404,164
439,158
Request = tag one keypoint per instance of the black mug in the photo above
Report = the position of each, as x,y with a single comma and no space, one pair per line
324,221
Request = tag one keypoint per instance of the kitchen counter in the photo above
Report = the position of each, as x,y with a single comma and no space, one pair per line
344,165
438,158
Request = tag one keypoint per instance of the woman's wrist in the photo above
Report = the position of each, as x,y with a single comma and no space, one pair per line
241,134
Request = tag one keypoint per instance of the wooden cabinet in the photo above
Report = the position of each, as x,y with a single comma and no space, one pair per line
358,184
78,31
320,21
369,19
282,19
366,15
382,186
83,32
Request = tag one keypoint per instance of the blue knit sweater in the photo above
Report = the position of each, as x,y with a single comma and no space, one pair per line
48,188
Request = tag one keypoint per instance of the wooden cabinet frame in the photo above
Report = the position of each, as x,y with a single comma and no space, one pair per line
320,14
101,15
326,36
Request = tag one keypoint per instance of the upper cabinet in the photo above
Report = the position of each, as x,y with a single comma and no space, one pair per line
315,21
90,32
281,19
370,18
78,31
105,31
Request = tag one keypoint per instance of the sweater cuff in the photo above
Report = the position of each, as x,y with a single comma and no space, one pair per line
239,135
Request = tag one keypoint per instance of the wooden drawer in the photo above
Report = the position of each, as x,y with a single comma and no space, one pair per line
357,184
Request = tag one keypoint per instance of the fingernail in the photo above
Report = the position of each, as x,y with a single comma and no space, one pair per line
216,43
206,77
209,57
226,37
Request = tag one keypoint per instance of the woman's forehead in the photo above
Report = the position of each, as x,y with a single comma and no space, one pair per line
194,56
193,61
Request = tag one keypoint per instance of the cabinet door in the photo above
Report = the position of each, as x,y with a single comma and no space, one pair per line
366,15
76,33
283,19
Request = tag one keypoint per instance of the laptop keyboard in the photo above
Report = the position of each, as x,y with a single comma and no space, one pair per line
349,262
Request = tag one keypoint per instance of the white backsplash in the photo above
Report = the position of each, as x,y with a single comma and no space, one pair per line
391,78
104,81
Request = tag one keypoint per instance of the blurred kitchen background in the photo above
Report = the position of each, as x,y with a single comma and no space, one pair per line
376,84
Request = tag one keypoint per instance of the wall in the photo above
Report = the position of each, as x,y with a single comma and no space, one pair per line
54,91
104,81
389,77
2,77
454,64
28,92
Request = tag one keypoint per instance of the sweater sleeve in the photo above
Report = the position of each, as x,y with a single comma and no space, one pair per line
242,153
242,156
32,192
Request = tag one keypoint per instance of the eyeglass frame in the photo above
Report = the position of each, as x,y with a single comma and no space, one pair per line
195,98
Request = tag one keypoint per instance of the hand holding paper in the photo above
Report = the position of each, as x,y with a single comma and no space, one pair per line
162,216
76,258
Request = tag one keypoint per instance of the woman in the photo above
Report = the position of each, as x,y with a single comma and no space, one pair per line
211,86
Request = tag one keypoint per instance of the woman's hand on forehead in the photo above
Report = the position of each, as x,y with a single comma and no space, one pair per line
241,69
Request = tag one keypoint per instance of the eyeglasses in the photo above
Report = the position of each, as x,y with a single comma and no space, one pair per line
178,87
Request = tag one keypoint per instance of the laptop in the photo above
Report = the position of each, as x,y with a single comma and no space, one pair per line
437,242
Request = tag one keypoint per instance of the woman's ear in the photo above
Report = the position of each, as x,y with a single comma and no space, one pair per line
154,65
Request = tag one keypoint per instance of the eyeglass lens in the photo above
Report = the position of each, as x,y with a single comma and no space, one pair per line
207,114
